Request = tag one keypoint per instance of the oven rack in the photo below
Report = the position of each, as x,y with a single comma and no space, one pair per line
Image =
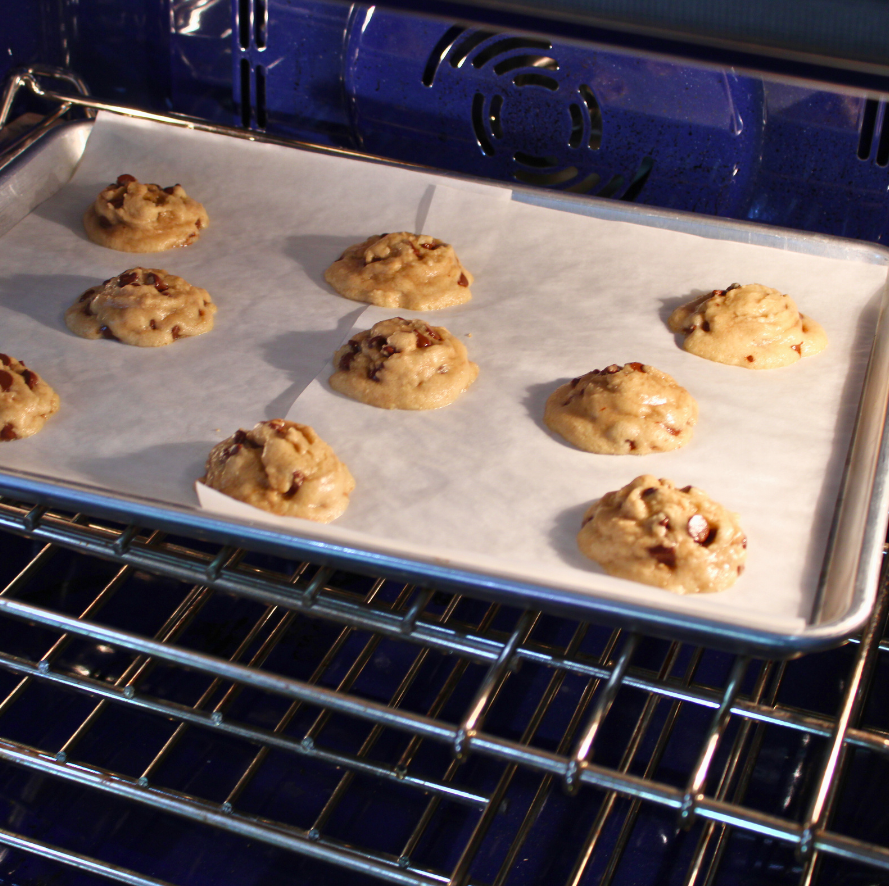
488,739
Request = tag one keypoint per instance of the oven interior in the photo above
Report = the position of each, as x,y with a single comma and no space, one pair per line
174,710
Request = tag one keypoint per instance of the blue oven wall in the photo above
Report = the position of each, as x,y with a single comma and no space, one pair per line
516,109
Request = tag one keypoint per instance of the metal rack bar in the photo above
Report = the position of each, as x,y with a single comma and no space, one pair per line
605,675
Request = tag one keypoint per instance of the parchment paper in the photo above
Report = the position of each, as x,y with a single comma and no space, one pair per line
480,484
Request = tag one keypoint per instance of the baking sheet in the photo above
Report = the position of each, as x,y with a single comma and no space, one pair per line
480,485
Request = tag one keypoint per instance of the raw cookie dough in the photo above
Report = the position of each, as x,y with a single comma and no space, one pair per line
654,533
633,409
403,364
751,326
281,467
26,400
134,217
146,307
402,270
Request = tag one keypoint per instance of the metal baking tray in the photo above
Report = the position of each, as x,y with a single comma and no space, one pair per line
848,570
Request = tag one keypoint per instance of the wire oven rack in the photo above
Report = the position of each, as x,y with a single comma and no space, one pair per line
230,717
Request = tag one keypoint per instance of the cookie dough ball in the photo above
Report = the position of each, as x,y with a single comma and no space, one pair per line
281,467
26,400
654,533
146,307
410,271
751,326
403,364
134,217
623,410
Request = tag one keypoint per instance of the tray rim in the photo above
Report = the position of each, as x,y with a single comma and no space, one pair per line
869,444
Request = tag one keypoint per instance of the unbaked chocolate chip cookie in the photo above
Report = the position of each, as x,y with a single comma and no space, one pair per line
146,307
633,409
282,467
134,217
678,539
26,400
410,271
751,326
403,364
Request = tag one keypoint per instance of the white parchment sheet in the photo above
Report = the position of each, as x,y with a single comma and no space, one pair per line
480,484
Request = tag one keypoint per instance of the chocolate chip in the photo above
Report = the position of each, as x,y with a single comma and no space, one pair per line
430,245
175,332
345,362
688,330
199,224
664,555
444,369
229,451
87,295
647,493
732,286
30,378
664,521
127,279
433,334
463,281
610,370
740,570
107,333
298,479
416,251
423,341
750,358
171,189
637,366
705,326
5,359
156,282
354,345
152,324
125,179
388,351
685,489
378,341
674,431
103,222
373,373
8,432
632,445
698,528
744,542
5,380
239,436
574,381
116,202
798,348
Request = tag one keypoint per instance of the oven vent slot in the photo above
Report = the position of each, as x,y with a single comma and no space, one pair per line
874,126
252,29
